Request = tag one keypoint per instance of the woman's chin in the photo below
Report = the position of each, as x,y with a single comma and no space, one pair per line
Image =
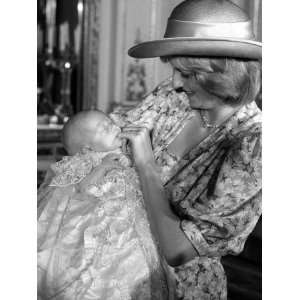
117,144
202,106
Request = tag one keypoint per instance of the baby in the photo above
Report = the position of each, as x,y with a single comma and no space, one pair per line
94,239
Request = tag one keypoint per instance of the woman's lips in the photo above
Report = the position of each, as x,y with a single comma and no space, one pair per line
189,93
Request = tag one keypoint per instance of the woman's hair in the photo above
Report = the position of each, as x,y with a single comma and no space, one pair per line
235,81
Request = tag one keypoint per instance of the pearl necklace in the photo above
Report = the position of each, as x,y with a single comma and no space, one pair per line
205,121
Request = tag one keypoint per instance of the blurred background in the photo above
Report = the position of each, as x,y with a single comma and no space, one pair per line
82,63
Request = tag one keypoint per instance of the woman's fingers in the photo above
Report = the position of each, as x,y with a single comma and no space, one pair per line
134,128
133,131
141,144
149,124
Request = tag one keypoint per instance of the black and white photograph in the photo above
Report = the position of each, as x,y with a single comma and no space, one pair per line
148,152
149,149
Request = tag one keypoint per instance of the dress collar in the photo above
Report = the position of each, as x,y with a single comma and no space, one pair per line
72,169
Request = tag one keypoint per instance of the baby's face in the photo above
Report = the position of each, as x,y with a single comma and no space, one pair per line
106,137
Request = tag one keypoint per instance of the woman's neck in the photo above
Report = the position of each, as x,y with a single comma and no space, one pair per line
214,117
194,131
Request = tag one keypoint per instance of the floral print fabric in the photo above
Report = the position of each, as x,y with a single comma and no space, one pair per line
215,189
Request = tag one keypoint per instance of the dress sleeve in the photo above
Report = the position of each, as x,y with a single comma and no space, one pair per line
163,110
146,112
234,206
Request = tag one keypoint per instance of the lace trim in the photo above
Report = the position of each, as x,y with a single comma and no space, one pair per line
73,169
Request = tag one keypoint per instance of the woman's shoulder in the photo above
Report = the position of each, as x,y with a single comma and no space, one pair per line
246,147
246,122
243,136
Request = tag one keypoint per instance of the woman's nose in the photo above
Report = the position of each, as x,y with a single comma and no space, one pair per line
177,80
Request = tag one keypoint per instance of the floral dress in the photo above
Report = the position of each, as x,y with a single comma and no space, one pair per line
215,189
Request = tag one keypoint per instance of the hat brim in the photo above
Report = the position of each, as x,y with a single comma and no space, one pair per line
198,47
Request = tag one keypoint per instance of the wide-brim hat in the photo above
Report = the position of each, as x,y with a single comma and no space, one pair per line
215,28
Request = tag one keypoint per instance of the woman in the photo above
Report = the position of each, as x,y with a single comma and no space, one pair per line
196,142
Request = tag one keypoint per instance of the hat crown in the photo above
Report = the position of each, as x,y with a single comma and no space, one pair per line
209,19
214,28
208,11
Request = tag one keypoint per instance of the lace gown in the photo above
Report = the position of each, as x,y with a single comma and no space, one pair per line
94,239
215,189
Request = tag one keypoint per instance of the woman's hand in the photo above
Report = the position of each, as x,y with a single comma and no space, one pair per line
139,138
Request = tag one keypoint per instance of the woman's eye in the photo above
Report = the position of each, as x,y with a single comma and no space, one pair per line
186,75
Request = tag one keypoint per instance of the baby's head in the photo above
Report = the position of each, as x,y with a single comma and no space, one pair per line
91,129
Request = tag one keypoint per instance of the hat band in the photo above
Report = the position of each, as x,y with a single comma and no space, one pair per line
238,30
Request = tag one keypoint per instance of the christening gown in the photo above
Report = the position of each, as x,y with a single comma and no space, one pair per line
94,239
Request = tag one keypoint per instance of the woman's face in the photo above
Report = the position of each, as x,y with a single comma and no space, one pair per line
107,135
198,97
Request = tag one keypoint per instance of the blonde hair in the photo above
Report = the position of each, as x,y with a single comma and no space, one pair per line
235,81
